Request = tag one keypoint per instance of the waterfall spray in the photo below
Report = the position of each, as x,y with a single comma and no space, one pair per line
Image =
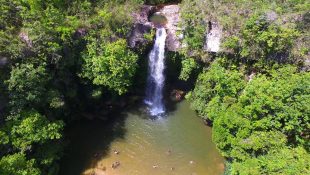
156,79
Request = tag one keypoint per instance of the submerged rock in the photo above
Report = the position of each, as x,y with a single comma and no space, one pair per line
116,164
168,152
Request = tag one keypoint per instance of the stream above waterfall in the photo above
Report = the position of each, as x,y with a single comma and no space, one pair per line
177,144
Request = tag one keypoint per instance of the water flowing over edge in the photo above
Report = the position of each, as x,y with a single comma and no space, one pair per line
156,78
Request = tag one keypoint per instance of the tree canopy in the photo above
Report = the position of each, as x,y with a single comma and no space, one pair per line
112,65
61,59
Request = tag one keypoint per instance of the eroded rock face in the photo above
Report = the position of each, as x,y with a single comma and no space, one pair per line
172,13
213,38
142,26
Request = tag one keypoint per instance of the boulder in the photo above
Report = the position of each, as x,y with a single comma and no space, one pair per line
116,164
177,95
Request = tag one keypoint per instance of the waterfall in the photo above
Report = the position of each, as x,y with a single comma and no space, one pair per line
156,79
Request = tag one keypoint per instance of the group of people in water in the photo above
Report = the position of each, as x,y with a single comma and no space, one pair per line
116,164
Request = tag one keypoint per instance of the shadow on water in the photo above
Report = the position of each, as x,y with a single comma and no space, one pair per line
97,135
132,132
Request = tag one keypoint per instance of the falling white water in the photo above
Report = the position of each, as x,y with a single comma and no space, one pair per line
156,79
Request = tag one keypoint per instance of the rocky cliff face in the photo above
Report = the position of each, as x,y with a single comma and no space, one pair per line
142,26
172,13
213,38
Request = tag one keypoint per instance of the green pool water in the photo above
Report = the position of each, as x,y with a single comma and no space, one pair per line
178,143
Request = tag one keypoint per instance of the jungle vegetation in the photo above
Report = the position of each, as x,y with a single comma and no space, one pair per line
57,58
255,92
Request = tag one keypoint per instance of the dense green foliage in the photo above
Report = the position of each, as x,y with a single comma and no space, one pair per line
284,161
256,122
17,164
189,66
27,85
33,128
279,104
255,92
53,54
112,65
194,24
59,58
252,30
263,40
213,87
